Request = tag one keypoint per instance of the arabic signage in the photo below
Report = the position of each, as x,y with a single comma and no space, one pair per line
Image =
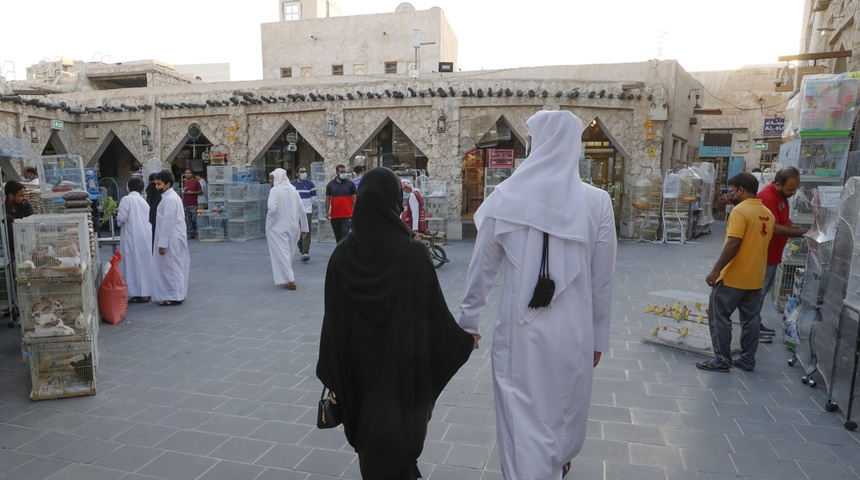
773,126
500,158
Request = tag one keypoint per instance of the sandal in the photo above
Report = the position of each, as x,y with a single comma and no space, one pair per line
138,300
712,366
170,303
565,469
290,286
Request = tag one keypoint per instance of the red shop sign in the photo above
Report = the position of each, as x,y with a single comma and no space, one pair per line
500,158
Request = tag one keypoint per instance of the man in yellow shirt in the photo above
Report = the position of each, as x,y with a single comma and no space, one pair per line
737,277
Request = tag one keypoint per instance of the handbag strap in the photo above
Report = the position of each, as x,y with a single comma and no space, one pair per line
544,262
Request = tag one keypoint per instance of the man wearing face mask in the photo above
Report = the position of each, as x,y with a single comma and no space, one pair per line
170,258
413,210
308,193
339,200
775,197
737,277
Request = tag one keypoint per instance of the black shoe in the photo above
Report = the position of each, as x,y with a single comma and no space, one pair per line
742,366
762,338
766,331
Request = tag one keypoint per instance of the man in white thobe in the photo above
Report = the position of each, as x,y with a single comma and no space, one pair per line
135,242
285,223
170,258
543,358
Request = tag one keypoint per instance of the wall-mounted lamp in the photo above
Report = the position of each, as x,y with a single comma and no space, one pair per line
332,122
31,129
824,29
689,96
232,129
442,122
650,128
144,135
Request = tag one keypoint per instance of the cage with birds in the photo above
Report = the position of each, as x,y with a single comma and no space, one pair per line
57,309
679,320
52,247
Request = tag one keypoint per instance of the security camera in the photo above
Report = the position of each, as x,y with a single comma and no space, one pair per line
777,81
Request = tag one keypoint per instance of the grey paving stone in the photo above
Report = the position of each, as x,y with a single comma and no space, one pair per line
435,452
707,423
468,456
152,414
697,407
128,458
632,433
284,432
66,422
119,409
708,461
145,435
326,462
847,455
767,467
805,451
11,460
105,428
473,416
655,418
242,450
188,419
585,468
238,407
229,425
232,471
655,455
49,443
195,443
606,450
445,472
471,435
610,414
694,440
33,417
86,450
177,466
639,472
756,428
12,437
751,446
281,474
284,456
160,396
36,469
86,472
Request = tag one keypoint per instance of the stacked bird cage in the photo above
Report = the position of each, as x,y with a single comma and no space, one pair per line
679,320
219,175
211,227
55,262
436,206
245,210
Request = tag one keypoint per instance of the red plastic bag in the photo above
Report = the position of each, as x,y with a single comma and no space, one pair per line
113,293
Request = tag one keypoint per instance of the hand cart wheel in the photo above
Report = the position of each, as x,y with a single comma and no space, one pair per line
792,361
851,425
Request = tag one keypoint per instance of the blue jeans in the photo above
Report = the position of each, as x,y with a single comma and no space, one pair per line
340,227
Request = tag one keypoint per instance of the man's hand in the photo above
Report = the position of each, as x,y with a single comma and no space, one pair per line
162,250
304,234
712,277
596,357
477,337
328,215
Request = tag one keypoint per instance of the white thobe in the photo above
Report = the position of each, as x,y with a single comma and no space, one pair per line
170,271
543,358
285,221
135,244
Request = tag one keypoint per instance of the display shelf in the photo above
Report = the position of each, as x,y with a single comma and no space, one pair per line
679,320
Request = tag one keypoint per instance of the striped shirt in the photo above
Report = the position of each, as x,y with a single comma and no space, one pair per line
308,193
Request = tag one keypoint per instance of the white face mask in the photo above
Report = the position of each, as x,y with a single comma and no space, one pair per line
341,176
303,176
405,194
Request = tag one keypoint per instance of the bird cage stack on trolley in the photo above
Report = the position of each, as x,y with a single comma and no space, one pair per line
705,216
55,261
245,209
679,320
436,208
324,232
815,340
838,340
59,174
675,216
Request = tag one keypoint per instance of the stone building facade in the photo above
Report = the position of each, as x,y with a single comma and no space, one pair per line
336,119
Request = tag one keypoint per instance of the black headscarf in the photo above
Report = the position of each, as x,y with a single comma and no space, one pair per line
389,344
153,198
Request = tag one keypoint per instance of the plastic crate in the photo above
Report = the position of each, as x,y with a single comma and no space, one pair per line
679,320
816,157
828,103
52,247
219,174
61,369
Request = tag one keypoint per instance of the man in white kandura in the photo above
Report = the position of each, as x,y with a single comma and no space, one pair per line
544,356
135,242
285,223
170,258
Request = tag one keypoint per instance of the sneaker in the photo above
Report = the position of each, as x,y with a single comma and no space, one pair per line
762,338
306,257
766,331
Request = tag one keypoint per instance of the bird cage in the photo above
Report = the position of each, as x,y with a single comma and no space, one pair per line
706,172
691,184
61,369
679,320
60,173
641,196
57,310
52,247
671,186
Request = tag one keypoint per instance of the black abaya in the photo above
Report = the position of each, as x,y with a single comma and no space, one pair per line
389,344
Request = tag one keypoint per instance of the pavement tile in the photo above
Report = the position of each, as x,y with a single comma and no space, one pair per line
232,471
195,443
639,472
708,462
49,443
655,455
284,456
242,450
86,450
177,466
12,437
128,458
86,472
10,460
767,467
145,435
326,462
36,469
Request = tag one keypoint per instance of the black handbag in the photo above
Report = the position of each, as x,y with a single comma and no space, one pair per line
545,287
328,413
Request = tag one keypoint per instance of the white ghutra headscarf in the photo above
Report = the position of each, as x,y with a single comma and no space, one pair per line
545,192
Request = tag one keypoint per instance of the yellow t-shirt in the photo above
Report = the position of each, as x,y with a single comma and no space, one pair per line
752,222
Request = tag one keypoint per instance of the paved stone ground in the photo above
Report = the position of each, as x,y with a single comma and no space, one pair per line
223,387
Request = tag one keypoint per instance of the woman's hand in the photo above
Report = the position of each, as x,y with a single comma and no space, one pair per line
477,337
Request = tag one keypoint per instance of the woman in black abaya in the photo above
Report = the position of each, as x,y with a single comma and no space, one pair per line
389,344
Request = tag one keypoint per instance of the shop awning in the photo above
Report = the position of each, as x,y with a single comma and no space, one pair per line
14,147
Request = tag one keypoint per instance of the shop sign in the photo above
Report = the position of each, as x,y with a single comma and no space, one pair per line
500,158
652,152
57,124
761,146
710,151
773,126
